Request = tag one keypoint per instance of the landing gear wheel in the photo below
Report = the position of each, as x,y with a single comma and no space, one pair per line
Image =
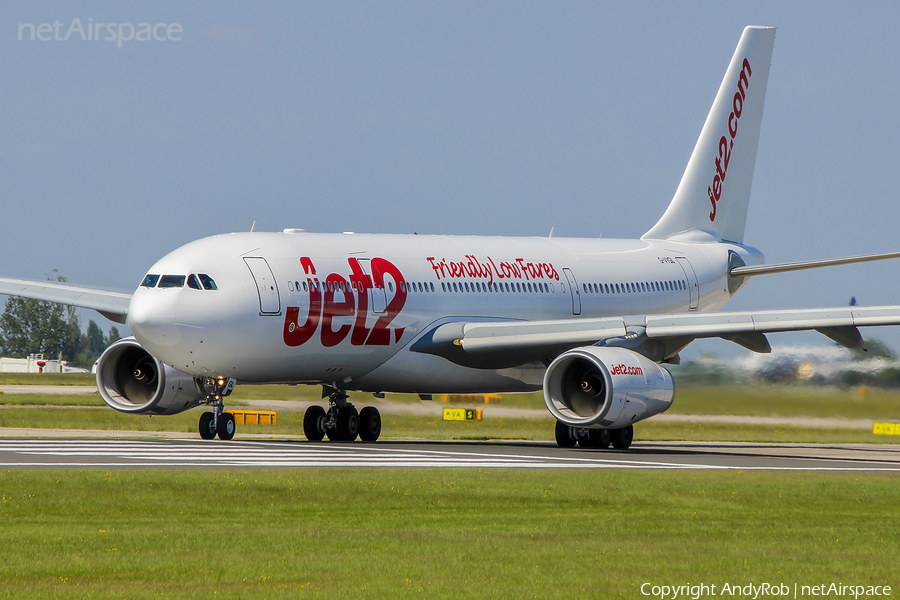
369,424
348,424
565,435
599,438
207,431
596,439
314,423
226,426
621,438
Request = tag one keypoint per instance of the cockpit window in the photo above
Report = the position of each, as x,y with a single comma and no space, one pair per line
150,281
193,282
207,281
171,281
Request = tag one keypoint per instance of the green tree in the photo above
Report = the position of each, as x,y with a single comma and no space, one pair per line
875,348
33,327
29,326
96,343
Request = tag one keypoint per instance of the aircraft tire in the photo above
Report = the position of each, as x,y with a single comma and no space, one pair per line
207,431
313,419
369,424
599,438
226,427
565,435
621,438
347,424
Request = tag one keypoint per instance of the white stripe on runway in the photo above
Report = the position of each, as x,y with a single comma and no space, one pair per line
127,453
187,453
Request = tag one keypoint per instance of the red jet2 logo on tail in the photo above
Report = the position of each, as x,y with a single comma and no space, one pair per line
323,307
725,145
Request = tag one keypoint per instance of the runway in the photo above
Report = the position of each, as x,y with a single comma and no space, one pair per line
164,453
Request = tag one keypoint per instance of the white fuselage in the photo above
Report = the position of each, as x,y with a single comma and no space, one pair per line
343,309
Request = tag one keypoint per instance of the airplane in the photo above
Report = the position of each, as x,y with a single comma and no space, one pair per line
591,322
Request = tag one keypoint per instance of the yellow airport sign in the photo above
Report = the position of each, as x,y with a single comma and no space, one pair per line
462,414
886,428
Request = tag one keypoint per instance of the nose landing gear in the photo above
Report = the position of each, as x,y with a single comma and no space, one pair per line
341,422
218,422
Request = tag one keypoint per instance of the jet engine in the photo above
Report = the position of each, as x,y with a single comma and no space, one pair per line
131,381
606,388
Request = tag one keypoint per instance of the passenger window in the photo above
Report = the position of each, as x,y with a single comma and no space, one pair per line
150,281
207,281
193,282
432,286
171,281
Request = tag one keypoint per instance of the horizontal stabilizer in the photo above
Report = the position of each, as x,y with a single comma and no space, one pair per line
811,264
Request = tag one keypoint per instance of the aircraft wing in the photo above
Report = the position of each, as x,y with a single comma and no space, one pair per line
112,305
497,344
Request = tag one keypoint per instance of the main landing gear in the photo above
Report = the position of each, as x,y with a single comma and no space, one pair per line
620,439
217,422
341,422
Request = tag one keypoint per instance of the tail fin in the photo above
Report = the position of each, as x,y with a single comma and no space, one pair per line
715,189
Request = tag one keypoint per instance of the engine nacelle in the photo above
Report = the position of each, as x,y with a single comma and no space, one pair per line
606,388
131,381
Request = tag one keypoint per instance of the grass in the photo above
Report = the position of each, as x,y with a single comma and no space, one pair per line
731,432
313,393
48,379
436,533
406,427
763,400
289,423
52,399
788,401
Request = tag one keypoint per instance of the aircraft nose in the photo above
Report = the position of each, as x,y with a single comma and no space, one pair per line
151,318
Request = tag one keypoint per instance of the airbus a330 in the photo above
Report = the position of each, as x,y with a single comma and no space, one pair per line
589,321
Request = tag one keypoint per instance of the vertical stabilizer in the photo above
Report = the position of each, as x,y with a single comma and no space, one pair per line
715,189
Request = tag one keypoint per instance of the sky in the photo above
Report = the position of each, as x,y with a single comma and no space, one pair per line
496,118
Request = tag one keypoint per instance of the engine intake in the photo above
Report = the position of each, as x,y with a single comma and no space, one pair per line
606,388
130,380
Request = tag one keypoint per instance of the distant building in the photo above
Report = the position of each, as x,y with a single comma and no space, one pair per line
36,363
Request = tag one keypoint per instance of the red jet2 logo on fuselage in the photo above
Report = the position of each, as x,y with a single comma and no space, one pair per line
324,307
